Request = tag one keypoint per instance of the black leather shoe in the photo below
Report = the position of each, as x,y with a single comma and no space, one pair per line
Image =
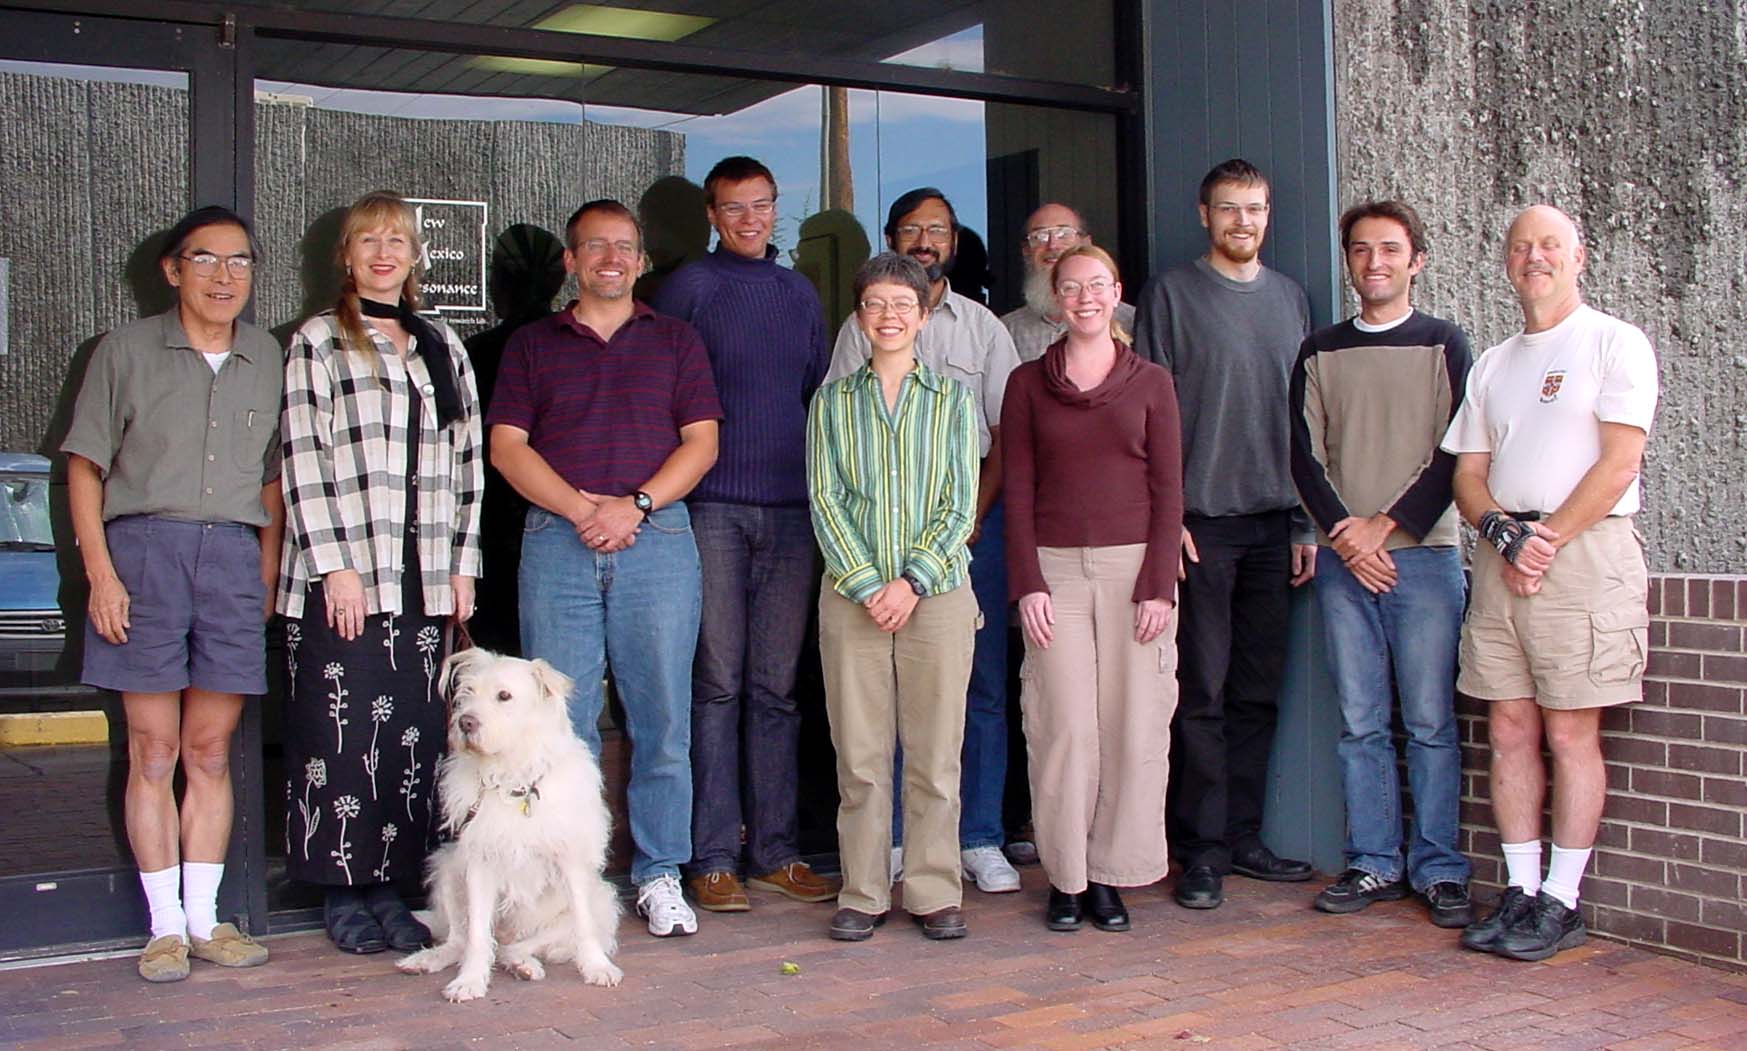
1105,905
942,924
1200,888
1448,902
401,929
1513,907
350,925
848,925
1258,862
1063,911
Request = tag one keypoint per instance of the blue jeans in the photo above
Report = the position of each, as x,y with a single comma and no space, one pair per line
983,761
638,610
759,575
1411,630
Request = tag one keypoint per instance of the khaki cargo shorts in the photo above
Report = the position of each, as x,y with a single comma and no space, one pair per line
1580,642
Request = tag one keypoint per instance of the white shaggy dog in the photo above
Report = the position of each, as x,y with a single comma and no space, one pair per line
521,795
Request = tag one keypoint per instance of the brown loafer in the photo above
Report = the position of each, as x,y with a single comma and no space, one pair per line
718,892
228,947
795,880
849,925
165,959
942,924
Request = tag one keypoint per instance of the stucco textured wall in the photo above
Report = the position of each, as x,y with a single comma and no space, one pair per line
1633,118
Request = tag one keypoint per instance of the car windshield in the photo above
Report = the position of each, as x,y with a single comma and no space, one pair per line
24,512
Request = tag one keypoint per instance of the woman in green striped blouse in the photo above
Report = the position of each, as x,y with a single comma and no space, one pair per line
892,477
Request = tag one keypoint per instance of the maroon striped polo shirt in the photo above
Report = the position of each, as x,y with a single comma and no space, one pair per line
604,415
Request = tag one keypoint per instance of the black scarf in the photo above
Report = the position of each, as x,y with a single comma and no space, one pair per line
431,346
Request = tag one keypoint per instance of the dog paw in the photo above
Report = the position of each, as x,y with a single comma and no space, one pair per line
601,974
528,969
464,989
422,962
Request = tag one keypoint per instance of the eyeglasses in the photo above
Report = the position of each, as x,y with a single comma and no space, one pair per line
1232,211
900,307
597,245
1071,289
206,264
736,210
939,233
1045,234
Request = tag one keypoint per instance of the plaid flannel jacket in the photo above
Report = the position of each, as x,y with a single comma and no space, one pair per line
345,436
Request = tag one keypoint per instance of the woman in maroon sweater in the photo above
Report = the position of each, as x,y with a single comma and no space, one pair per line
1094,492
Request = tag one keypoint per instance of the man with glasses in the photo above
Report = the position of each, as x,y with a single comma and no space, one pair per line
1049,233
964,341
765,333
1229,329
605,418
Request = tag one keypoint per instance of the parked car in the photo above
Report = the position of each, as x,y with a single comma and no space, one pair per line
33,629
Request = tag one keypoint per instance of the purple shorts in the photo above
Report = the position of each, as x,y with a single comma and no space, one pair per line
196,604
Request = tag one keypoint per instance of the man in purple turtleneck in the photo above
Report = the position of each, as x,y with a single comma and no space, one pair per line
765,332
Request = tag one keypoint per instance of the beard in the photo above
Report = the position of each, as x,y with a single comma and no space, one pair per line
939,268
1039,295
1238,253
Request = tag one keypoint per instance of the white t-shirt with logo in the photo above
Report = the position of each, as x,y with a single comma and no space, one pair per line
1534,402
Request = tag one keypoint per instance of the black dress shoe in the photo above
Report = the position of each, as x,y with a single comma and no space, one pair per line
942,924
350,924
849,925
1200,888
1258,862
1105,905
400,928
1063,912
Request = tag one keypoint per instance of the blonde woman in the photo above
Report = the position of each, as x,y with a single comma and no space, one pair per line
383,474
1094,491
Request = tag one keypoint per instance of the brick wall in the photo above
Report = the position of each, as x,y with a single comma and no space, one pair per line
1670,865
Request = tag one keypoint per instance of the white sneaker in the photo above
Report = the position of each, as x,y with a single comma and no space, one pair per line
661,902
989,869
897,864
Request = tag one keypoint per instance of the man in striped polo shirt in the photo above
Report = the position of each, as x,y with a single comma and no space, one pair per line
605,417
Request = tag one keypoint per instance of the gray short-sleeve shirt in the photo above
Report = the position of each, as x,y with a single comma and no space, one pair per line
170,436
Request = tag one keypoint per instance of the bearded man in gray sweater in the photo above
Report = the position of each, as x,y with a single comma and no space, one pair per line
1228,329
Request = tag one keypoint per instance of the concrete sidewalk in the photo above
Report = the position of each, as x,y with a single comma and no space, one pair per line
1264,971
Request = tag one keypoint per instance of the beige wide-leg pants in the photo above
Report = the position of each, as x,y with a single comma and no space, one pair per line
1097,709
907,687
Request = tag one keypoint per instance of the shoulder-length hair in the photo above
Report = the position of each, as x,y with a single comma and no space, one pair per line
377,210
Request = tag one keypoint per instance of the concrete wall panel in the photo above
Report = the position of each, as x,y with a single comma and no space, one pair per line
1631,117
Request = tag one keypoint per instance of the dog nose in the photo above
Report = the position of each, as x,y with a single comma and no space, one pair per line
469,723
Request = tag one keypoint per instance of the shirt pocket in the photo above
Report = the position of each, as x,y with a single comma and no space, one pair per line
251,429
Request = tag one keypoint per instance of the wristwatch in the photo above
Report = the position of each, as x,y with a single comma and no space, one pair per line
643,502
916,586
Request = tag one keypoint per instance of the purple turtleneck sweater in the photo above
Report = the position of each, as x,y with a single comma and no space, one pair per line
765,331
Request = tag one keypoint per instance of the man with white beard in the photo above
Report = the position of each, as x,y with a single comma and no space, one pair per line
1049,233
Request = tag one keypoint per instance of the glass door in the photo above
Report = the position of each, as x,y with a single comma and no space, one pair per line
98,166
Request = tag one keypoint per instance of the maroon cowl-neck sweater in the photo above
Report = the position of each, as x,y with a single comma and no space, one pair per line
1096,468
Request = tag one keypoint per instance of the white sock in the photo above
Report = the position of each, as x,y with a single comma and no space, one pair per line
200,895
1523,862
164,897
1564,873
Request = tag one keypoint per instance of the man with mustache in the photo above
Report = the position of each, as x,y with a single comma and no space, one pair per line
1228,329
1049,233
965,342
1548,443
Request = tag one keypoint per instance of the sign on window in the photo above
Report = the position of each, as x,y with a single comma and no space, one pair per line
455,258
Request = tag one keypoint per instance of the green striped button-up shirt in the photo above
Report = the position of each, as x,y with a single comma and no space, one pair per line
893,492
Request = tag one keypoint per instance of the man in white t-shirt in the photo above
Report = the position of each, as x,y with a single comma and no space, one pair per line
1548,444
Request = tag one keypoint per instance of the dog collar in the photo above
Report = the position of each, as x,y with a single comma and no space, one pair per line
527,793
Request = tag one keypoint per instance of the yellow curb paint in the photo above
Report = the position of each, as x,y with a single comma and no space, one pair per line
53,728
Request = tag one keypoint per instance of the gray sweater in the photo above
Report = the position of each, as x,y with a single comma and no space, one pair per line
1230,346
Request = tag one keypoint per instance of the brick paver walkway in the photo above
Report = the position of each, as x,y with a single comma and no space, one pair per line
1265,971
